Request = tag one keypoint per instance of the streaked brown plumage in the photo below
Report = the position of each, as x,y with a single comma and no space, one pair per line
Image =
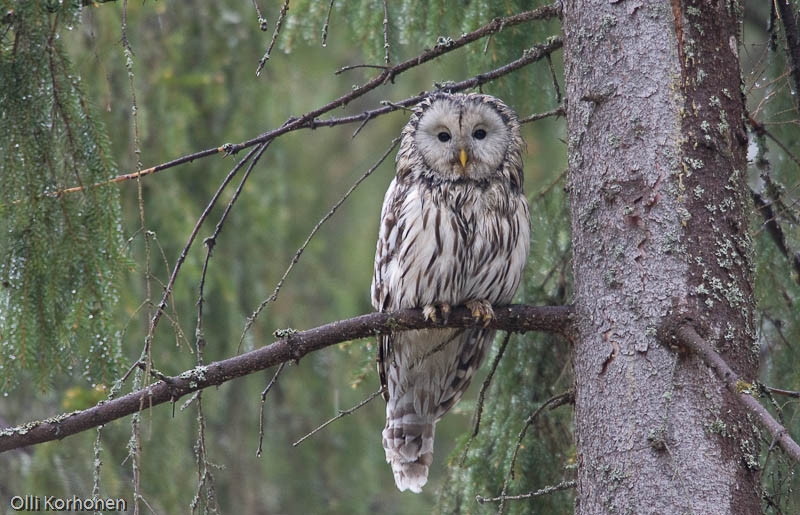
454,230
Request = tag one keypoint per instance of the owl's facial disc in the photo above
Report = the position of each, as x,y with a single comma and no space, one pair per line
457,140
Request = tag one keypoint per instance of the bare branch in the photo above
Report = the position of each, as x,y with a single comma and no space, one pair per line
531,55
295,345
342,413
261,411
325,26
564,485
789,21
386,57
255,154
278,25
558,112
310,119
476,418
551,404
775,230
683,334
272,298
780,391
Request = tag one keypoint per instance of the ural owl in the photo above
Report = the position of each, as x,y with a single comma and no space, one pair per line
454,230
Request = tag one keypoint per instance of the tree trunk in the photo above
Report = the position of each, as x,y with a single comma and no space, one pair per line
657,157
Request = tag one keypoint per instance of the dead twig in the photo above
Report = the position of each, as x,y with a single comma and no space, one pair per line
342,413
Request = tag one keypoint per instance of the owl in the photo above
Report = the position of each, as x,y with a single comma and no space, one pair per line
454,230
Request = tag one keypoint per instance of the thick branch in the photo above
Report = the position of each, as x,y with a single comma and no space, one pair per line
291,347
684,335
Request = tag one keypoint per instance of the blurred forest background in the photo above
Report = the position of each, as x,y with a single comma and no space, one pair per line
152,81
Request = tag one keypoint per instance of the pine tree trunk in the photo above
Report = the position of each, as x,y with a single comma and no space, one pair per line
657,157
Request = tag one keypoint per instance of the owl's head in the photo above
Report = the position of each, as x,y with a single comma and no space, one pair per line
464,136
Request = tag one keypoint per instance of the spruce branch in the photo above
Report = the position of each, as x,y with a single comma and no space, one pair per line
292,347
310,120
684,335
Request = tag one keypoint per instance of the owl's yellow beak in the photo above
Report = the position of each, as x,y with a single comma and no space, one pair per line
462,156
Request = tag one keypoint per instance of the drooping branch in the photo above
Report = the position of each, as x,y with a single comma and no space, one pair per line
775,230
290,346
310,120
684,335
789,21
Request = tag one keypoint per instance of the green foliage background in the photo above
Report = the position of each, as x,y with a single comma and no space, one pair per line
193,74
59,253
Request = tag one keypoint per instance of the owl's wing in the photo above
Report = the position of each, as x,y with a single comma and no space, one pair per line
389,235
385,256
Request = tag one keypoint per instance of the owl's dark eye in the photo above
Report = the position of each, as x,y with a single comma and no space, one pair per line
479,134
443,137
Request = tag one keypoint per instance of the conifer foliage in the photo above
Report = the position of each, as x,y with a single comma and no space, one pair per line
58,253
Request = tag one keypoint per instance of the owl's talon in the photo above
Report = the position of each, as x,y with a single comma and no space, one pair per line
481,311
429,312
444,310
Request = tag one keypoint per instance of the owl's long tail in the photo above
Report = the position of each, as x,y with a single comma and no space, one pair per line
426,374
408,442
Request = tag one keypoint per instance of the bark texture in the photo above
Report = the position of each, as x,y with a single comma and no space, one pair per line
657,162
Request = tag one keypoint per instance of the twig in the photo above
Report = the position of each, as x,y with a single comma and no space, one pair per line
770,222
325,26
476,417
185,251
547,189
530,55
210,242
789,21
356,66
262,22
684,335
476,424
205,479
139,174
779,391
564,485
775,230
517,318
135,441
278,25
342,413
558,111
386,58
263,401
551,403
771,30
761,130
559,97
272,298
